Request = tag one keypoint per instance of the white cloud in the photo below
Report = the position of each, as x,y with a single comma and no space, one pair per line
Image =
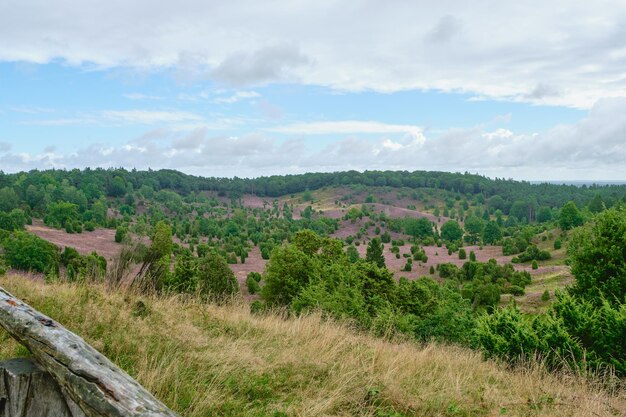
344,127
141,96
570,53
591,149
150,116
237,96
116,117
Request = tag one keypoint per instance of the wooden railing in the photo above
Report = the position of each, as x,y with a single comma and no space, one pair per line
84,376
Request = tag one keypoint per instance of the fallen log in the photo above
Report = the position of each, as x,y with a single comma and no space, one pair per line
86,376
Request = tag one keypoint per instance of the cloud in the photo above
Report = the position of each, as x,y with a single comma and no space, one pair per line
445,29
272,63
116,117
508,50
591,149
237,96
150,116
5,147
140,96
344,127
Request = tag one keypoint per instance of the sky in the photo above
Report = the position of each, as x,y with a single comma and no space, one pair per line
529,90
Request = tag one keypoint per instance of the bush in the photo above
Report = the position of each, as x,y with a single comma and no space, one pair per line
28,252
535,265
557,244
252,284
597,255
216,280
508,334
515,290
545,296
120,234
462,254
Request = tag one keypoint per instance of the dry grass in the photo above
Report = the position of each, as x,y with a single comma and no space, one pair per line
208,360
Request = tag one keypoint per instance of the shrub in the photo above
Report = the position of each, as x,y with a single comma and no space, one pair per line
215,278
472,256
557,244
462,254
535,265
545,296
252,284
28,252
120,234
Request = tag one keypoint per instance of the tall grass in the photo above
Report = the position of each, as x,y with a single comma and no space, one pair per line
209,360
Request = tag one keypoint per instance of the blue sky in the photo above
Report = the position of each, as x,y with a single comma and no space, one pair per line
237,90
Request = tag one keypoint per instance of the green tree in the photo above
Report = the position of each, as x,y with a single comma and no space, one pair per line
288,271
596,205
117,188
216,280
570,216
451,231
155,268
597,255
418,228
492,233
474,227
61,213
374,252
28,252
544,214
8,199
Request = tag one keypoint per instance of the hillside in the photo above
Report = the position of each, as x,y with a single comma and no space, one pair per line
205,359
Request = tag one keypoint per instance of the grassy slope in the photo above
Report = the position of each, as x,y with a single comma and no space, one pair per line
205,360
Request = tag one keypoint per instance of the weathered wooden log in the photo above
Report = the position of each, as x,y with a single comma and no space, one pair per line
26,390
92,381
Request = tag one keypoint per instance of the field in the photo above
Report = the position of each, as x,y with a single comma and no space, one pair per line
203,359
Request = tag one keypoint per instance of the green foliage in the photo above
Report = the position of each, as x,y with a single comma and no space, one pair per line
557,244
9,199
474,227
512,246
492,233
61,214
352,253
451,231
598,325
597,255
252,285
570,216
216,280
418,228
534,264
374,253
288,271
544,214
14,220
462,254
509,334
532,253
28,252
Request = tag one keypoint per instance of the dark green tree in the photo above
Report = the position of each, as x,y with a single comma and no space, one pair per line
374,252
451,231
570,216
